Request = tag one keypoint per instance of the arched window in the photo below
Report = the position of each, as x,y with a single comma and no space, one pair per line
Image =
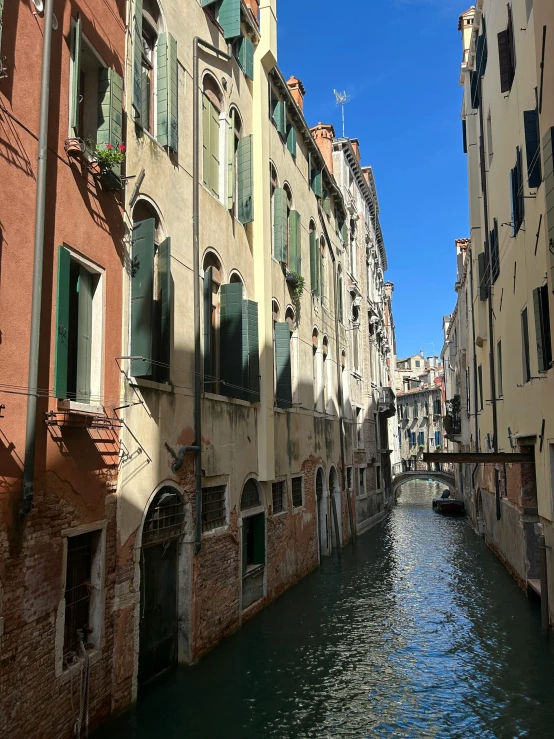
315,373
288,194
212,105
151,29
282,332
355,337
150,295
353,248
326,365
322,269
211,293
250,496
253,544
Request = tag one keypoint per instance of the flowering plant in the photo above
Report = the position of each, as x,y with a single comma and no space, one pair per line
109,156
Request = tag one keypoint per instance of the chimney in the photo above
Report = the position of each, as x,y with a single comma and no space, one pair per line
323,134
297,91
356,146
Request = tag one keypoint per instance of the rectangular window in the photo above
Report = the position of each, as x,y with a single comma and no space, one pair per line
349,478
359,426
214,512
79,320
506,55
279,496
499,369
297,488
494,247
421,438
468,392
361,481
416,410
83,594
378,476
438,439
532,147
542,328
525,346
480,379
490,151
517,195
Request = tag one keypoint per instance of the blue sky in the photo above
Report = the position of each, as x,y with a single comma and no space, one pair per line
399,60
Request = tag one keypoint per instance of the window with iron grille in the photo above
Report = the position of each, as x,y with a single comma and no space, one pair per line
361,473
250,496
165,519
279,494
297,487
214,513
77,593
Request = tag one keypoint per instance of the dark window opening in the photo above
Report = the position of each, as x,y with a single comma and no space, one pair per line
213,507
250,496
297,492
525,346
349,478
165,519
77,593
480,380
279,496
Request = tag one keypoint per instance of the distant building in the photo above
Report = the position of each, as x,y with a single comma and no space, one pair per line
414,371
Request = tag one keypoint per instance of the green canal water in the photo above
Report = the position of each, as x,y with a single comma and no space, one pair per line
417,632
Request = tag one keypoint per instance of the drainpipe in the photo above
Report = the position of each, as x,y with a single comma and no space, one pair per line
488,259
197,43
32,398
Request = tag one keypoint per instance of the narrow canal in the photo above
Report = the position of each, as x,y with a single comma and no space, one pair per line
418,632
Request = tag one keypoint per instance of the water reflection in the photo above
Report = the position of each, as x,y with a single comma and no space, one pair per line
418,632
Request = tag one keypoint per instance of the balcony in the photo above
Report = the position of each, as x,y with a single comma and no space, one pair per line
386,402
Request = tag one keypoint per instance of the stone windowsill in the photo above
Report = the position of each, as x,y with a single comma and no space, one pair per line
94,655
75,407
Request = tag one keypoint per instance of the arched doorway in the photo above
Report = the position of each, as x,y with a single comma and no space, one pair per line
323,514
336,508
252,514
163,527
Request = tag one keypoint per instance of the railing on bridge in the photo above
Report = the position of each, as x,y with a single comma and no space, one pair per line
417,465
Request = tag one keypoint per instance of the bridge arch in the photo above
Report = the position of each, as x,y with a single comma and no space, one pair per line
444,478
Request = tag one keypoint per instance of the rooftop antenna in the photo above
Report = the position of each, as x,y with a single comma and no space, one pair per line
342,98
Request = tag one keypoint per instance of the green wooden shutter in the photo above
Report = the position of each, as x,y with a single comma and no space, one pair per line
231,161
209,383
231,339
283,392
84,335
205,3
110,110
142,285
62,324
250,352
214,149
475,91
316,183
245,183
532,147
229,18
137,61
164,282
539,335
295,242
246,56
76,77
280,225
314,264
291,140
167,76
206,151
505,63
280,116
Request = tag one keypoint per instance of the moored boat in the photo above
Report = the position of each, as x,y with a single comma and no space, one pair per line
449,506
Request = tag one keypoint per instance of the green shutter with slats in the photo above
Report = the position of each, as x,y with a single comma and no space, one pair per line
205,3
142,286
316,182
539,334
280,225
314,264
246,56
62,324
231,160
84,335
245,183
167,78
164,337
250,352
229,18
532,147
209,383
76,76
137,62
231,339
280,116
110,110
295,242
482,274
291,140
283,390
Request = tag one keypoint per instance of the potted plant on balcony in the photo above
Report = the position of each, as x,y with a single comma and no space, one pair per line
296,284
74,147
109,158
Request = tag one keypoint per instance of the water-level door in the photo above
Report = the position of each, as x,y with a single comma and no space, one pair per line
158,615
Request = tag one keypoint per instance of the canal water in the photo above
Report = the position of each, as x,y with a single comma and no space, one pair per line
417,632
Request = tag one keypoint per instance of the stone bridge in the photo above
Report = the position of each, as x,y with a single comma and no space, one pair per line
410,469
